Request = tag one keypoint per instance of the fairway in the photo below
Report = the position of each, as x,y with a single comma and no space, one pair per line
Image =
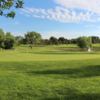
49,73
47,53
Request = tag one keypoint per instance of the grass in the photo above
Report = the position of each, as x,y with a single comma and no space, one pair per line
49,73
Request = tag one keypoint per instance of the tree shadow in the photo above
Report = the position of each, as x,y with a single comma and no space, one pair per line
82,72
62,52
86,96
73,94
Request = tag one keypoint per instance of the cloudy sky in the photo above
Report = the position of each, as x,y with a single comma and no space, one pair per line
68,18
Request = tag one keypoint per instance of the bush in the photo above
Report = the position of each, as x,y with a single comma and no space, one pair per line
6,40
8,44
84,42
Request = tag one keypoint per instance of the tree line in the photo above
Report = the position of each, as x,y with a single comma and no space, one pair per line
8,41
61,40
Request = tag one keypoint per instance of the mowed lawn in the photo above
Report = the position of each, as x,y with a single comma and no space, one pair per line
49,73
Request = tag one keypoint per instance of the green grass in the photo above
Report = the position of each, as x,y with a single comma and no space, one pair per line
49,73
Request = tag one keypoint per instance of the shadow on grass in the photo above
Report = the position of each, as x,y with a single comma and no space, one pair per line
77,97
82,72
63,94
61,52
73,94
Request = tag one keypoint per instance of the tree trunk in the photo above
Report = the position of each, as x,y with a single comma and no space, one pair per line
31,46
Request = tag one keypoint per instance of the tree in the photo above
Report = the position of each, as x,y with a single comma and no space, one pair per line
73,41
95,39
7,6
45,42
53,40
19,40
84,43
6,40
62,40
2,36
32,38
9,41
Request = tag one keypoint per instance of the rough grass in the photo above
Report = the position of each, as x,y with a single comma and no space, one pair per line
49,73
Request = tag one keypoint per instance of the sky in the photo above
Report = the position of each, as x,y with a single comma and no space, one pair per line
67,18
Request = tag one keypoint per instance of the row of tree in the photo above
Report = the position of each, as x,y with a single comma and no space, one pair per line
7,40
62,40
83,42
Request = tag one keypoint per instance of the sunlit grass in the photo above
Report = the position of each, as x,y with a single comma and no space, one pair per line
49,73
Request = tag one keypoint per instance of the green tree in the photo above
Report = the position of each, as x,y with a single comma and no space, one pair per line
32,38
9,41
2,36
7,6
95,39
53,40
85,43
62,40
19,40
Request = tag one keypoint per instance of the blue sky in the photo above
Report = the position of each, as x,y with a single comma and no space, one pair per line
68,18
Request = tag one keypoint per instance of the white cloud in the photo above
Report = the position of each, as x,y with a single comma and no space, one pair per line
68,11
68,35
90,5
59,14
